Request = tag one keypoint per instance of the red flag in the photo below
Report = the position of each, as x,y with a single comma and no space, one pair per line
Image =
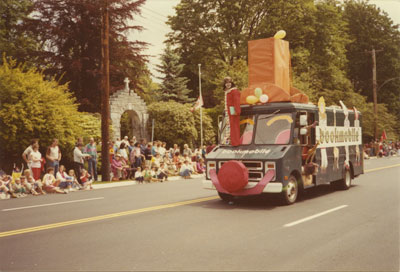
383,137
198,104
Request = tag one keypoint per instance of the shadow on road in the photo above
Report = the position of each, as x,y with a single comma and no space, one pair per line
268,201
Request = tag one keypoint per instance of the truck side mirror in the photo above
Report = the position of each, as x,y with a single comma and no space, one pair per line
303,120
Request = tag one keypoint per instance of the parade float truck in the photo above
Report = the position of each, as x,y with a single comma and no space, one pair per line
285,144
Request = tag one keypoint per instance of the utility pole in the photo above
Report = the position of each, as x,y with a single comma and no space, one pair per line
105,98
375,97
201,110
374,92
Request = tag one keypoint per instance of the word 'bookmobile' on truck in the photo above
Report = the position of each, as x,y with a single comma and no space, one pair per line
286,147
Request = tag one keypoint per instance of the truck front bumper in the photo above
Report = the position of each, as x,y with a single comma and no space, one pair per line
252,188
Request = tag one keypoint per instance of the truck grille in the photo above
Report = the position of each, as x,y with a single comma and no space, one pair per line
252,166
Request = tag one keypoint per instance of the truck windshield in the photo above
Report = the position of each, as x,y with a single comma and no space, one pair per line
246,130
273,129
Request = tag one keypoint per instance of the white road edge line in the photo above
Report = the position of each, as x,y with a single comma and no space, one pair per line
314,216
52,204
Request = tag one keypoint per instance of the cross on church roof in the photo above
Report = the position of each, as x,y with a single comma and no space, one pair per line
126,81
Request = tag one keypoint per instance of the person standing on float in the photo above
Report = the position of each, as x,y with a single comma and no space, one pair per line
232,110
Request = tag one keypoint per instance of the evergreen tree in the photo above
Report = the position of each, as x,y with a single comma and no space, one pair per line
173,86
70,31
15,41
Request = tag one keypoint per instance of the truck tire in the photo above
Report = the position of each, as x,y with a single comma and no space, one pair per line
291,192
345,183
225,197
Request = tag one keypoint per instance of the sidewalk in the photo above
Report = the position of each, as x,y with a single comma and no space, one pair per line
99,185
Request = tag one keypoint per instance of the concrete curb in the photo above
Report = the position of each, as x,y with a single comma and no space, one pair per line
133,182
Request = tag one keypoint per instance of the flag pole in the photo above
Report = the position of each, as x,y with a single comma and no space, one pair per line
201,110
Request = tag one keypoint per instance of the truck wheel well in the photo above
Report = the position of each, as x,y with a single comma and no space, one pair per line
297,175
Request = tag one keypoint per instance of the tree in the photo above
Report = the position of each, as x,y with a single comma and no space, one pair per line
173,86
149,91
32,107
205,32
176,124
70,32
218,31
370,27
15,41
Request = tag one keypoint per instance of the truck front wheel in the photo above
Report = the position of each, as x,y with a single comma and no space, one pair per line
225,197
291,191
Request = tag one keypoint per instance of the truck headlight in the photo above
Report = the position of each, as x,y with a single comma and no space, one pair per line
270,165
210,165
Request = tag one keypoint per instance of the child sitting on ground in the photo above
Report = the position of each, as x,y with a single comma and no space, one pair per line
28,186
162,172
153,172
18,188
186,170
50,184
139,176
146,174
36,184
62,176
86,179
72,178
5,187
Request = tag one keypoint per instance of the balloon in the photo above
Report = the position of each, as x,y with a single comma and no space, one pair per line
251,99
280,34
258,92
264,98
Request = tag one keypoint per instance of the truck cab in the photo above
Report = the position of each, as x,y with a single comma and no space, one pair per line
278,143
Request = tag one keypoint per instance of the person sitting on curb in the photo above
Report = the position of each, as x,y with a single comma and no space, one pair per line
186,170
72,178
156,160
62,176
146,174
29,187
153,172
86,179
18,188
36,185
200,166
50,184
139,176
162,172
117,168
5,187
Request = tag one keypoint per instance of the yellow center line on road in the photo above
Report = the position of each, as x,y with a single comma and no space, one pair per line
103,217
381,168
114,215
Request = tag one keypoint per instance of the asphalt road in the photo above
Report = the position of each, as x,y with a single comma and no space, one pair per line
180,226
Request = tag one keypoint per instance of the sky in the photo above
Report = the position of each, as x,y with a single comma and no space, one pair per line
155,13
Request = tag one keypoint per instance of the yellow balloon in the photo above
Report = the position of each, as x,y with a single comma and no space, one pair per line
258,92
251,99
280,34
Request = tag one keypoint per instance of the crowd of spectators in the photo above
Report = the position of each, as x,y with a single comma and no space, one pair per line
129,160
381,149
151,161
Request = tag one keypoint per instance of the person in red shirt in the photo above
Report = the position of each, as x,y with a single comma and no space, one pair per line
232,109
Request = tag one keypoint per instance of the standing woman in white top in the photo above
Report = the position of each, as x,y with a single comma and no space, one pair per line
53,156
28,151
35,161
